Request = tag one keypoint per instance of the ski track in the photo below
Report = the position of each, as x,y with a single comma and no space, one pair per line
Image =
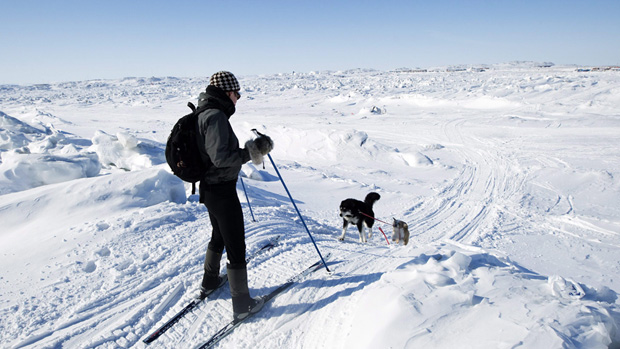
129,300
465,208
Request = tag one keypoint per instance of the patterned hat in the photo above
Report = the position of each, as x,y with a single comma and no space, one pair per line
225,80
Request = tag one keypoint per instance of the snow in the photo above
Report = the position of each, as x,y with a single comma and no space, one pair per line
508,177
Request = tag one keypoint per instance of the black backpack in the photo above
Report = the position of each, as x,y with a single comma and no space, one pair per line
182,152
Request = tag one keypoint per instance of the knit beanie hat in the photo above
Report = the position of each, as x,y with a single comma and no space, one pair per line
225,80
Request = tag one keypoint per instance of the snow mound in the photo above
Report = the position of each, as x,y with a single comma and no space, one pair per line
373,110
12,124
37,233
414,159
250,171
14,133
343,147
31,157
24,171
123,151
90,197
485,299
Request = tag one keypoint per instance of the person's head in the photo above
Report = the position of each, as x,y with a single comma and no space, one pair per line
228,83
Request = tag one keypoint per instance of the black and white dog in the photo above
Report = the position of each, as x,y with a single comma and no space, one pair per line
358,213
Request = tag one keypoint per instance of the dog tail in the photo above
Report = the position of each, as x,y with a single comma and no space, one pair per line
371,198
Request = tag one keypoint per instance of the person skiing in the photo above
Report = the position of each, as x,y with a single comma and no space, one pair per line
218,191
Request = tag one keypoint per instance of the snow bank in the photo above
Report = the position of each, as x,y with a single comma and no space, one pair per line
248,170
67,169
31,157
342,148
48,223
121,151
14,133
451,296
91,196
24,171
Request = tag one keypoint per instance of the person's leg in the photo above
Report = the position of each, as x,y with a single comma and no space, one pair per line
227,221
224,205
211,279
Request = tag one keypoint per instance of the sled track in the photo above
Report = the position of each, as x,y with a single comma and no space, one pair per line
466,209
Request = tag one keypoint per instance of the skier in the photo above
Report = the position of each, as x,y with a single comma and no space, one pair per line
218,190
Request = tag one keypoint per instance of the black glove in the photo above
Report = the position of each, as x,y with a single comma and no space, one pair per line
264,144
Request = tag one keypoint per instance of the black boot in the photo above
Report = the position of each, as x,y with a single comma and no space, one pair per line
211,278
243,304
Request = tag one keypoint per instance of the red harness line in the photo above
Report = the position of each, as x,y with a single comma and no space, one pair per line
386,239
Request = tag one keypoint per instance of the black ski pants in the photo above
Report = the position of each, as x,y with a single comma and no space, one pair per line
227,220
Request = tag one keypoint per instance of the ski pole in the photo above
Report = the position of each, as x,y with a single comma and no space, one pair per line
247,199
296,209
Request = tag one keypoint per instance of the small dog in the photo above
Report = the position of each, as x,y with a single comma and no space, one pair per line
359,213
401,231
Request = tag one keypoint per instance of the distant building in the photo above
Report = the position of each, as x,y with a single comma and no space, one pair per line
607,68
409,70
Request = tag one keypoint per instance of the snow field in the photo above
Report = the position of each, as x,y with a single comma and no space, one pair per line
508,179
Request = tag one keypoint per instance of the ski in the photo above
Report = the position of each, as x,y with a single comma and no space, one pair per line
228,328
195,302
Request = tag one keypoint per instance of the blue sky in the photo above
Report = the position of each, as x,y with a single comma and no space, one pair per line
52,41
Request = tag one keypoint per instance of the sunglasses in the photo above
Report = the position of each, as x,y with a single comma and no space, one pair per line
237,94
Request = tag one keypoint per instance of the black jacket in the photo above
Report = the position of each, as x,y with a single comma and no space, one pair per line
221,146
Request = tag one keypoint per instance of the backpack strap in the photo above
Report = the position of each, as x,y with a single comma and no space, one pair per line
196,111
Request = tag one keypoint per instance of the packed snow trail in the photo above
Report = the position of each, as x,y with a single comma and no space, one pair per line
196,302
233,324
